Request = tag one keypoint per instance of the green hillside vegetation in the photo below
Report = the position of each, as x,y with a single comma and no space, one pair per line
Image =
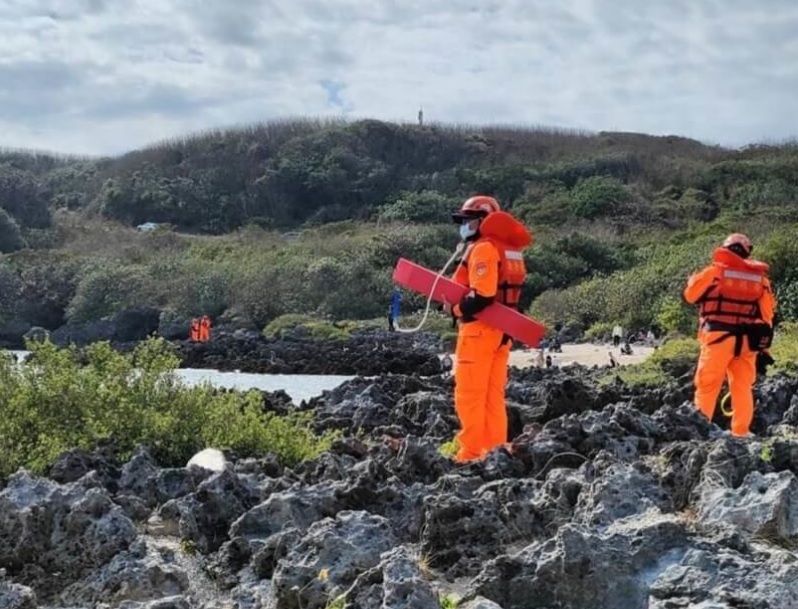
308,217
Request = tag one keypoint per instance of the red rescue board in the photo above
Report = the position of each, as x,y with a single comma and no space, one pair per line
418,279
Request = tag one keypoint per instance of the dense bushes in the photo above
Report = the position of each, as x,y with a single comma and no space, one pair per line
621,219
338,271
428,207
635,297
598,196
293,323
106,289
24,197
10,236
343,271
564,261
785,347
56,402
285,174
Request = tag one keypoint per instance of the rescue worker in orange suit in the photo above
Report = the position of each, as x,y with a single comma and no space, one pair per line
194,331
736,306
205,329
493,268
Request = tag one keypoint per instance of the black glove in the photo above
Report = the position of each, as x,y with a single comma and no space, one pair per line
763,360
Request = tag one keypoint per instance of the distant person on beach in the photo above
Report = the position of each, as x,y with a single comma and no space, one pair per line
394,309
617,335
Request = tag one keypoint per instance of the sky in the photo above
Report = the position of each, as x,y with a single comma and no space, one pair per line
107,76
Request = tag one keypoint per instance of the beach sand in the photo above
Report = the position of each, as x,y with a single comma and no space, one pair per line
587,354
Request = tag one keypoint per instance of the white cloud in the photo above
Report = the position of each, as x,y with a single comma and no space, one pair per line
95,76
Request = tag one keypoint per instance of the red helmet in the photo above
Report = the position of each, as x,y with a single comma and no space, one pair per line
739,243
476,207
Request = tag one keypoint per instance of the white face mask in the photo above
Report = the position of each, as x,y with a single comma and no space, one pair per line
466,231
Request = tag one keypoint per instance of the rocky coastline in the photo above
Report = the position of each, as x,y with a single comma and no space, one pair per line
609,497
367,352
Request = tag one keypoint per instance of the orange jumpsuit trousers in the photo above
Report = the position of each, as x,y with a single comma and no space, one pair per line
481,363
715,363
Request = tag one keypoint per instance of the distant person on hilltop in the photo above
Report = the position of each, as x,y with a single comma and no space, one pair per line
736,307
617,335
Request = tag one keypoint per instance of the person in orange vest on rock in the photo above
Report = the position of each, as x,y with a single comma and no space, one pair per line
493,268
205,329
194,330
736,324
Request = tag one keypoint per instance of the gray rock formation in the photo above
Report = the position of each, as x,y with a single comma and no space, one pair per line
329,558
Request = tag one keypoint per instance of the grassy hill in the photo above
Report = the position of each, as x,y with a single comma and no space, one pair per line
309,216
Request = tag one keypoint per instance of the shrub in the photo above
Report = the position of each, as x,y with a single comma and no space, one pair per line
310,326
105,290
205,292
787,297
599,331
675,316
427,207
62,399
23,197
597,195
630,297
785,347
780,251
47,286
552,208
676,356
10,289
10,236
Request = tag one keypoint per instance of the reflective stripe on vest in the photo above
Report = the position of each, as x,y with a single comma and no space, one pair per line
742,275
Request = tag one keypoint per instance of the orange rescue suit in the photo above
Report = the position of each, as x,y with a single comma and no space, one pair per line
736,304
493,268
205,329
194,332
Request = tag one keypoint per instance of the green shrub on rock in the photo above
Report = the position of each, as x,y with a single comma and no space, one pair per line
310,326
64,398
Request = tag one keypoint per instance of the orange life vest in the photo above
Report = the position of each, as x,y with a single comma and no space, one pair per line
509,237
734,297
